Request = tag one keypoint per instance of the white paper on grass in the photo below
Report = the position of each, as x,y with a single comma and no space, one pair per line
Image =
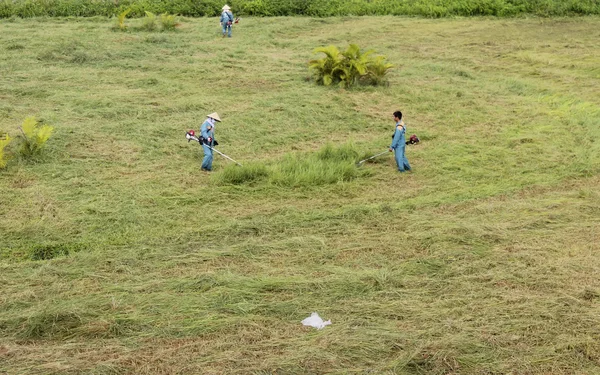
314,320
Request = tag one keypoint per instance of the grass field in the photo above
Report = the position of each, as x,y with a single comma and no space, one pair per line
312,8
484,260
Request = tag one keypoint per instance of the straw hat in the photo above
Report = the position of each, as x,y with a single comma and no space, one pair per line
214,116
226,7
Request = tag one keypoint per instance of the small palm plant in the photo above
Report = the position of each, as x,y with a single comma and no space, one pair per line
348,68
34,137
168,21
4,141
377,70
121,20
149,22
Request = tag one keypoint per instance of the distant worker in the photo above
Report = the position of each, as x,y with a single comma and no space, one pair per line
207,139
226,20
399,143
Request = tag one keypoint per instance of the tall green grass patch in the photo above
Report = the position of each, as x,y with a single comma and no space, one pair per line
328,165
301,171
236,175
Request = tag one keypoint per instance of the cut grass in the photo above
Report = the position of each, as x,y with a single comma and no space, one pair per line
484,260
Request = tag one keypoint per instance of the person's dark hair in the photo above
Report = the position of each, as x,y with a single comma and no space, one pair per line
398,114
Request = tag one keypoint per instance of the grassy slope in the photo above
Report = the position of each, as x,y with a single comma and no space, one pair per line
482,261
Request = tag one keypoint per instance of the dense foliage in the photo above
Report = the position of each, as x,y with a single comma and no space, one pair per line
349,68
319,8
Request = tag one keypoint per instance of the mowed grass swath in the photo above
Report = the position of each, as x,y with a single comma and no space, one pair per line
119,256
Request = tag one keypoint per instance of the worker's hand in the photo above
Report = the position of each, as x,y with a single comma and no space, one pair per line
209,140
391,149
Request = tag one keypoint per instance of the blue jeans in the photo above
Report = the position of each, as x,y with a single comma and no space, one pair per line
401,160
208,158
226,29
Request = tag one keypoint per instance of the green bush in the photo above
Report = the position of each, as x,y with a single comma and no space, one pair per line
349,68
34,137
326,69
4,141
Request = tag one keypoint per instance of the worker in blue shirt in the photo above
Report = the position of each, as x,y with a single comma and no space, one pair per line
226,20
399,143
207,139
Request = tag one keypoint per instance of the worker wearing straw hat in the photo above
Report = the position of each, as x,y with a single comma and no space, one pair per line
226,20
207,139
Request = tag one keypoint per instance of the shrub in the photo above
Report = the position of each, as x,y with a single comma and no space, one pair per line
256,8
34,137
4,141
349,67
168,22
354,65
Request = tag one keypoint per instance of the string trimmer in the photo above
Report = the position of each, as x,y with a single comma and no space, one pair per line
191,136
413,140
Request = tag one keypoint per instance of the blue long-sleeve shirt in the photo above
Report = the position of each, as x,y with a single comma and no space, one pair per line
207,130
226,16
399,136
